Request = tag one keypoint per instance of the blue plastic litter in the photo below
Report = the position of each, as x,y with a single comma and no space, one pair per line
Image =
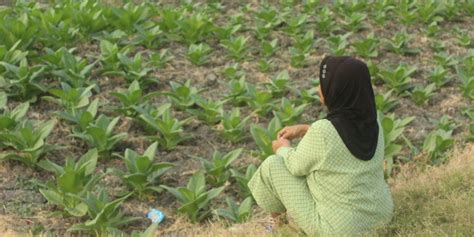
156,216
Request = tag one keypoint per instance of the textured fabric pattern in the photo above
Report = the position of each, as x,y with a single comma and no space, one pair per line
323,187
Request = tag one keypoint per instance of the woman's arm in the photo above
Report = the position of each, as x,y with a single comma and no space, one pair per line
304,158
292,132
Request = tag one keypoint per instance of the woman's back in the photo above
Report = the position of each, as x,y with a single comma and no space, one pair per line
351,195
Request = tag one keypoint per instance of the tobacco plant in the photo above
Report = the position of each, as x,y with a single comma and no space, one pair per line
367,47
26,142
70,69
269,48
208,110
23,81
199,54
385,103
421,94
259,100
10,119
400,44
338,44
467,86
71,182
237,91
100,134
288,113
183,95
217,169
279,84
439,76
132,97
398,78
392,129
237,47
142,174
169,129
233,126
355,21
69,97
263,137
82,118
301,48
160,59
242,179
195,198
105,216
236,213
325,21
436,143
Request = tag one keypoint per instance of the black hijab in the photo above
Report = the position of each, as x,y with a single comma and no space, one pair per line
347,90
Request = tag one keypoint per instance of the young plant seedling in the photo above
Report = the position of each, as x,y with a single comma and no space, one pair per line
263,137
170,129
259,100
26,142
142,175
183,95
217,169
69,97
436,143
385,103
194,198
81,117
131,98
237,47
288,113
421,94
392,129
199,54
10,119
236,213
338,44
398,78
233,126
160,59
237,91
439,76
100,134
367,47
279,84
105,216
208,110
242,179
72,182
70,69
23,81
400,44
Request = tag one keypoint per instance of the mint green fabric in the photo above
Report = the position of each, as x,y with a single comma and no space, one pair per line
323,187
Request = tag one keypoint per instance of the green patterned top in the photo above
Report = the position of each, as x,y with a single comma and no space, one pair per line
351,195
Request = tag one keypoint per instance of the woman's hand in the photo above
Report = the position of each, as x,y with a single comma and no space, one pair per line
279,143
292,132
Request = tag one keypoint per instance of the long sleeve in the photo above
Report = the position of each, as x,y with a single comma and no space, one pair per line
304,158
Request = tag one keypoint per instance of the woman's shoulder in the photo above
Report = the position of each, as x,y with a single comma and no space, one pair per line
322,125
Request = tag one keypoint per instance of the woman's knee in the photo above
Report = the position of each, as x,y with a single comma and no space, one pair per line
273,162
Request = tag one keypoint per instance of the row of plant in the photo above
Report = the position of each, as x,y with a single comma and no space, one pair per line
69,22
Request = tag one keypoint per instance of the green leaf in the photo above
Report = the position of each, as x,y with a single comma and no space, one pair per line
88,162
3,100
52,196
51,167
78,211
151,151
